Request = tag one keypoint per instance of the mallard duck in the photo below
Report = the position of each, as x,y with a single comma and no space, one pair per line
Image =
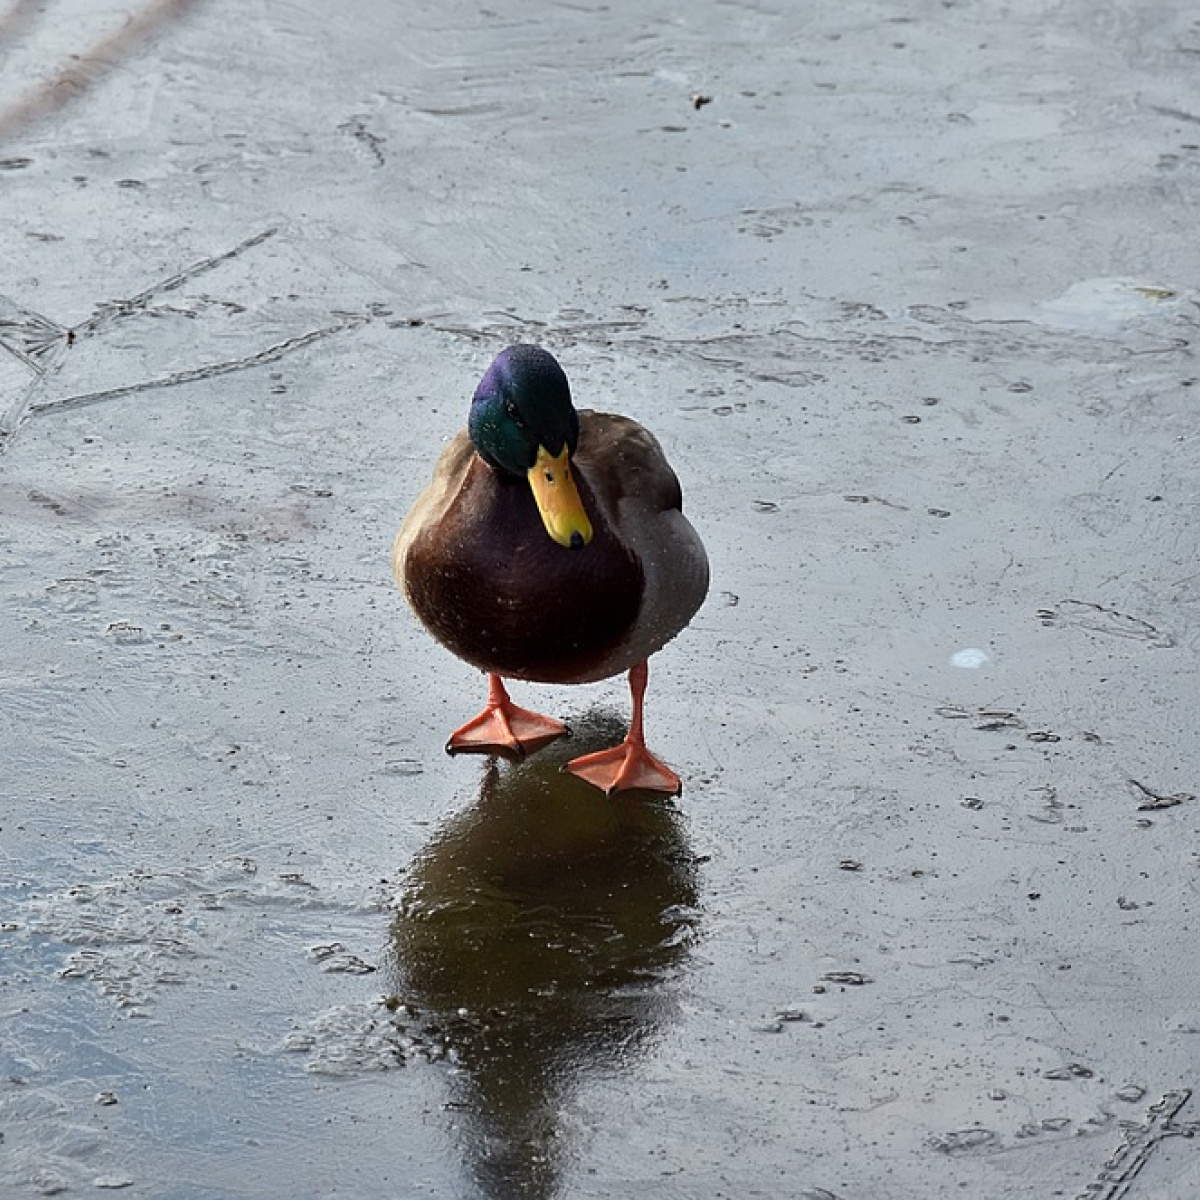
551,546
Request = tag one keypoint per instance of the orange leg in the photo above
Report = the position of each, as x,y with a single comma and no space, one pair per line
629,765
503,728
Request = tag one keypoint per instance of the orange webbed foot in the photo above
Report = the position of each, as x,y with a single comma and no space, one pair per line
626,767
504,728
630,765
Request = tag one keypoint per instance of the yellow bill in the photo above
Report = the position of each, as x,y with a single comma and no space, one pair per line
558,499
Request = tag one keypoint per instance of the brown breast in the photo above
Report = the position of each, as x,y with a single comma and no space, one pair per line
492,586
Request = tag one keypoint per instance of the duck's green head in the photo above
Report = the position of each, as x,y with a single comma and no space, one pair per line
523,424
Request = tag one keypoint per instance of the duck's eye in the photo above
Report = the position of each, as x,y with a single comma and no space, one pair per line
513,415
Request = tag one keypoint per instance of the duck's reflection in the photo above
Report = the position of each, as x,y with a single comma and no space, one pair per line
538,934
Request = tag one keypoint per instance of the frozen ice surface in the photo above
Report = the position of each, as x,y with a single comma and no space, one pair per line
909,295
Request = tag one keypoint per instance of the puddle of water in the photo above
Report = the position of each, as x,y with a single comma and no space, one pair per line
537,938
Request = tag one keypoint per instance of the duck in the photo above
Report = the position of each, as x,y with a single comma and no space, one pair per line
551,547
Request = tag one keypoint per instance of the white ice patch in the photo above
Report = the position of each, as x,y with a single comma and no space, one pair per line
971,658
1104,303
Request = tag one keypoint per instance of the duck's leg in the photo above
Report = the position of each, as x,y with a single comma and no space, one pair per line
629,765
503,728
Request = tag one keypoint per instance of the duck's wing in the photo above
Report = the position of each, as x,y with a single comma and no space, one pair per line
625,464
642,502
448,475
